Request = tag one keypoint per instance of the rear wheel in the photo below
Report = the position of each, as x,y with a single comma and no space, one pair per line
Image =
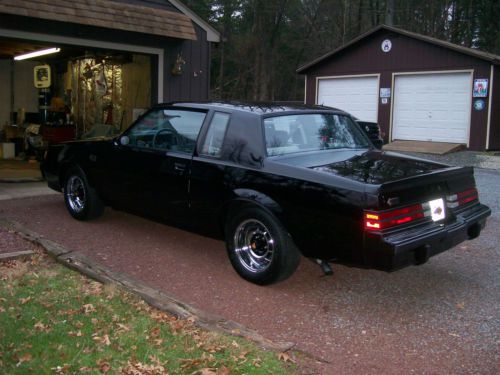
260,249
81,199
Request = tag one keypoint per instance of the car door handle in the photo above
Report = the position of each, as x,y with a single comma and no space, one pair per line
179,167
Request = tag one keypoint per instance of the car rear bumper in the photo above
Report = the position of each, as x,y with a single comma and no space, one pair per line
391,251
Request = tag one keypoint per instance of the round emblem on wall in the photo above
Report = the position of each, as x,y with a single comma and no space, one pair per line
479,105
386,45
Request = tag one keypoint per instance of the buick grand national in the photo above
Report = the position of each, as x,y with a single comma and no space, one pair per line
276,182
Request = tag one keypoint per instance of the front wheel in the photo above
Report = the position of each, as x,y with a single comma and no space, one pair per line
81,199
260,249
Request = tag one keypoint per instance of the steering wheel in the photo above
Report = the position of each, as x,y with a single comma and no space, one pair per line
168,131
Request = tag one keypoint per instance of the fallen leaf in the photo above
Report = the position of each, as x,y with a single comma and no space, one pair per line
24,358
75,334
123,327
223,370
155,331
138,368
104,366
88,308
106,341
24,300
158,342
461,305
39,326
285,357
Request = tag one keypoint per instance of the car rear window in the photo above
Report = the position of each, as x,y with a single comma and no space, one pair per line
310,132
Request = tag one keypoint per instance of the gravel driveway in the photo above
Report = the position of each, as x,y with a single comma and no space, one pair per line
442,317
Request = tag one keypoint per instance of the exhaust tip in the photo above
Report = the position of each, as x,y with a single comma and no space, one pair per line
422,254
474,231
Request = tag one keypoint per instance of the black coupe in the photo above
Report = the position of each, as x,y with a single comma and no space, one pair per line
277,182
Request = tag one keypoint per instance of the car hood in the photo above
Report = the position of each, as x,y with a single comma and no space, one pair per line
375,167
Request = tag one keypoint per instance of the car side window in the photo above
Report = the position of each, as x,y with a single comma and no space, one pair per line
167,130
212,146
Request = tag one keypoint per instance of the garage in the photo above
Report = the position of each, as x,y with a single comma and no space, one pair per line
356,95
432,107
73,70
423,92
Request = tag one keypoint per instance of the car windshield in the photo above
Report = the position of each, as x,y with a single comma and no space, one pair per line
310,132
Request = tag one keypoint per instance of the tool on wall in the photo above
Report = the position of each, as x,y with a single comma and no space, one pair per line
43,80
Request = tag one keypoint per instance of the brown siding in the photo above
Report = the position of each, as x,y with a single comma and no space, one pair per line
407,55
193,84
495,111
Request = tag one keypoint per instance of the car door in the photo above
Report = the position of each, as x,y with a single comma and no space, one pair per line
151,163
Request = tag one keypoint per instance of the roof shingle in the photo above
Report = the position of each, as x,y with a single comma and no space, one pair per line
107,14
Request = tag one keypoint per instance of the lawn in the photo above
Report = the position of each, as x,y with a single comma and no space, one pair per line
56,321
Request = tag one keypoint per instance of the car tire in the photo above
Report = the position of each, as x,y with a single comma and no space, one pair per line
259,248
81,199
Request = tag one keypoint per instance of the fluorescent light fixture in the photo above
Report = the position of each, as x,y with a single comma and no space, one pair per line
41,52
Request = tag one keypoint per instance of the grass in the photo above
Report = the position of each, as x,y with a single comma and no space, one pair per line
54,320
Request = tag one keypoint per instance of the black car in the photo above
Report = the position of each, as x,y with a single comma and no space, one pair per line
372,130
277,182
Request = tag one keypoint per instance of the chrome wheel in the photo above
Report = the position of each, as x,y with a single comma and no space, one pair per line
75,193
254,246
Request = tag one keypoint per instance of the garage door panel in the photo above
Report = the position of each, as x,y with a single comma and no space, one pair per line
355,95
432,107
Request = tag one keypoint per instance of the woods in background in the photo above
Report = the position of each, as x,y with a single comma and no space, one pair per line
265,41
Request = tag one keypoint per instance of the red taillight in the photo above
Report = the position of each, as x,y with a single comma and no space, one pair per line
391,218
461,198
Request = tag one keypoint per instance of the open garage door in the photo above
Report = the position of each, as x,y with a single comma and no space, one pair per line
432,107
355,95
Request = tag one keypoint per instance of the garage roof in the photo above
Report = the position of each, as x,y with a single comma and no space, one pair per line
494,59
107,14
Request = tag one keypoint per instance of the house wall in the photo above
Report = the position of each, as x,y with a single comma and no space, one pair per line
25,94
194,82
5,93
407,55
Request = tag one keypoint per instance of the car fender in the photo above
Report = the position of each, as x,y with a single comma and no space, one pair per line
242,197
69,158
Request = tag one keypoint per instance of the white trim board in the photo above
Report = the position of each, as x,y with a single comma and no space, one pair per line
490,103
94,43
212,34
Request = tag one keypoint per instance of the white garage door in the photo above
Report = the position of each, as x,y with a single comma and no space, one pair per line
357,96
432,107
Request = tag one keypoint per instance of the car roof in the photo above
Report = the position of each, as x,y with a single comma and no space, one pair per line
257,108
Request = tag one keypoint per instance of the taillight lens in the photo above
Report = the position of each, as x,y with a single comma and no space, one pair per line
377,220
462,198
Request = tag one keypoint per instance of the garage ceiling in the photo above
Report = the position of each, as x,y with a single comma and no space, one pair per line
9,49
